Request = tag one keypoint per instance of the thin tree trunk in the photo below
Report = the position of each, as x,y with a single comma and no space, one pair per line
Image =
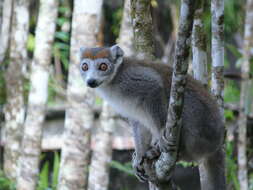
174,121
126,31
102,152
31,144
79,115
245,87
199,61
1,13
14,110
217,9
143,34
5,28
143,28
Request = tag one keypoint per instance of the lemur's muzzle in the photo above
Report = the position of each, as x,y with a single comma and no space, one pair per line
92,83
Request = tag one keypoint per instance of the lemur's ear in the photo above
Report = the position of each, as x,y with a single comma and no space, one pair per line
117,53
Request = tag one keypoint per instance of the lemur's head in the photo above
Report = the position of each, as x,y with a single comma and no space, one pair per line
99,65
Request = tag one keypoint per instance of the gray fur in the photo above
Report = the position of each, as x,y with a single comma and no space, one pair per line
140,91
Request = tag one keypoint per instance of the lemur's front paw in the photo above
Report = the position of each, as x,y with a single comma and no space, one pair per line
166,144
138,168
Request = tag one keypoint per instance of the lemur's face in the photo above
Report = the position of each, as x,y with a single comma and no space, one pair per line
99,65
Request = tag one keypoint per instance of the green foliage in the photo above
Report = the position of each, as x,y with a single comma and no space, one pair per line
51,91
231,92
62,36
251,181
187,164
234,50
126,168
43,177
61,48
234,15
56,168
31,42
231,166
116,21
48,180
5,183
229,115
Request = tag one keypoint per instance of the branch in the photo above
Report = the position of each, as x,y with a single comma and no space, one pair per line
166,162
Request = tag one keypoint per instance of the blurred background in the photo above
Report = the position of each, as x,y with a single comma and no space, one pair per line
43,101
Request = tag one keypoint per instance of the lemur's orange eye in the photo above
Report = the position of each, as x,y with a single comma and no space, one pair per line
103,67
85,67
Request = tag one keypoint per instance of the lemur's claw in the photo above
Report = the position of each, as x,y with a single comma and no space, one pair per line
138,168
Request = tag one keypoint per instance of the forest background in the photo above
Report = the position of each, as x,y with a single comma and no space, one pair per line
39,45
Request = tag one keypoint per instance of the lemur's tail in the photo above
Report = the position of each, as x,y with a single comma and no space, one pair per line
212,171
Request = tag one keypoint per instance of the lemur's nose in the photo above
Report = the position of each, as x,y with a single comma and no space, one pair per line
92,83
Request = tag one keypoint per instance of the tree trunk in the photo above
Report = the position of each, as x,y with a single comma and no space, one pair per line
5,27
217,9
79,115
31,144
14,110
102,152
142,34
245,87
126,31
167,160
143,28
1,12
199,61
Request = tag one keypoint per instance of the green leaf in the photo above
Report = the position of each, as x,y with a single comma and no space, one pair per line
62,46
234,50
55,170
229,115
63,9
231,92
60,21
43,177
30,42
126,168
64,36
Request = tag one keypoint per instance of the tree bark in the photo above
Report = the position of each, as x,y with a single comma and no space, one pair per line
14,109
31,144
167,160
199,55
126,31
5,28
79,114
245,87
1,12
102,151
217,9
143,28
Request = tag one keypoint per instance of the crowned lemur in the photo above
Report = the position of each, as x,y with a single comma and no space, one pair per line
140,90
